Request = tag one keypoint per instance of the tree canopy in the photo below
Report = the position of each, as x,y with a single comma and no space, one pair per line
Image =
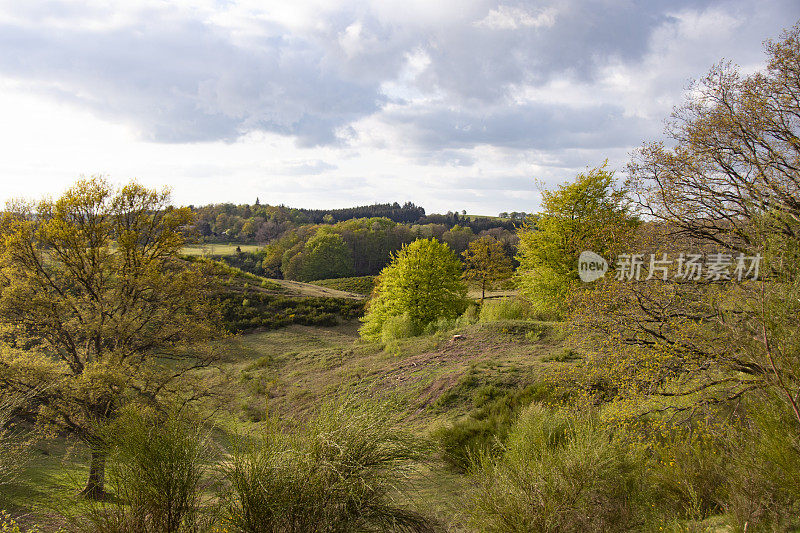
487,263
423,282
96,309
586,214
728,186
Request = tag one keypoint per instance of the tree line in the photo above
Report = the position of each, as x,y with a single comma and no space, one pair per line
257,223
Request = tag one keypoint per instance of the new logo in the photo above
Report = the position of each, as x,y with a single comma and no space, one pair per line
591,266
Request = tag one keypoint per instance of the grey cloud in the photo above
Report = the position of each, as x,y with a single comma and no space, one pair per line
493,183
529,126
182,80
453,158
178,78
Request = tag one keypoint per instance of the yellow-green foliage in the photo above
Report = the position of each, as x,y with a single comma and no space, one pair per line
587,214
9,525
397,327
503,309
423,282
157,470
345,470
91,282
557,472
487,263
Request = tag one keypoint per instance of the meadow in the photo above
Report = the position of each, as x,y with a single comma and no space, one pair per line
219,249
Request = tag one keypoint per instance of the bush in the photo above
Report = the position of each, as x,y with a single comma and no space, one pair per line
271,311
763,491
398,327
689,472
340,472
359,285
557,474
156,472
486,427
503,309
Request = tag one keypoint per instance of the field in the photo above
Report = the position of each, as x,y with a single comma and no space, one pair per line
219,249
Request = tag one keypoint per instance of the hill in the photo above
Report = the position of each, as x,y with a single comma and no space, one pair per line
284,375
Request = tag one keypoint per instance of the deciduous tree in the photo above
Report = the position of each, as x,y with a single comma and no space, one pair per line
97,311
587,214
423,281
731,184
487,263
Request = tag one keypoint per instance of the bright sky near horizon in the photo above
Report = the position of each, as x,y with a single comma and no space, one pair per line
451,104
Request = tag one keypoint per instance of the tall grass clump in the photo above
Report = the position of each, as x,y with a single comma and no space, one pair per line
690,470
763,489
486,427
504,309
557,473
156,470
343,471
14,441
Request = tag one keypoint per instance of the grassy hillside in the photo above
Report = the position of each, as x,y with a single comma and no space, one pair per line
284,375
437,375
358,285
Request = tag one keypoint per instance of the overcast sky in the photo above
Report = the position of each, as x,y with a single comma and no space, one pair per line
450,104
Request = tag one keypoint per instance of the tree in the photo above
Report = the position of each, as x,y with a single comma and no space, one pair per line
587,214
487,263
326,256
97,311
729,184
458,238
423,282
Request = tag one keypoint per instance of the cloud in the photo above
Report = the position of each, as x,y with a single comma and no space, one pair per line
436,102
512,18
179,79
305,168
527,126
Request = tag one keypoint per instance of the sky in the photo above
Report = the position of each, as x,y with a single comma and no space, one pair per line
454,105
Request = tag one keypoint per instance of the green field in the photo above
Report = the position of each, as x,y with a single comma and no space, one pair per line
219,249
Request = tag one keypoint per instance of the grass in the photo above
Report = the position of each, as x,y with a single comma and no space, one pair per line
358,285
296,367
473,381
47,485
219,249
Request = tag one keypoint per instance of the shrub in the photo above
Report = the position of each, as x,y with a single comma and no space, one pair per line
358,285
503,309
556,474
271,311
398,327
340,472
763,491
156,472
689,472
486,427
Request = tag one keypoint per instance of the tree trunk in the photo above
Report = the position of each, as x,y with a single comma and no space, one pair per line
95,485
483,290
